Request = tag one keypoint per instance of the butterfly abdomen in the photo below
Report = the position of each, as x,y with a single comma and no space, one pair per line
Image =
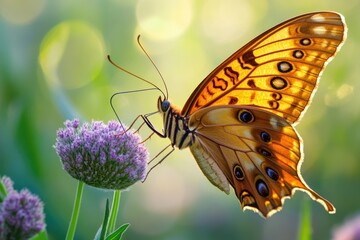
177,130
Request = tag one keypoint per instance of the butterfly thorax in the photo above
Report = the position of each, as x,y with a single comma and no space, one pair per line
176,127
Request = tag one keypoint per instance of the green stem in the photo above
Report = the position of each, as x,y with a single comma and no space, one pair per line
114,211
75,214
305,222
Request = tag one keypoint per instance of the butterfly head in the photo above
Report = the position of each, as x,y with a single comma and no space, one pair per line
163,105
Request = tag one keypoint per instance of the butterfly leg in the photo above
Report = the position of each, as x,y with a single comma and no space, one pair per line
149,124
157,155
138,129
161,160
147,138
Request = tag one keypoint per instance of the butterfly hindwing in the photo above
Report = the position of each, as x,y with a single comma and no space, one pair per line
259,153
277,71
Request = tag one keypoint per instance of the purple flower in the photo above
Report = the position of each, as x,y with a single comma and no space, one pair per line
101,155
350,230
21,214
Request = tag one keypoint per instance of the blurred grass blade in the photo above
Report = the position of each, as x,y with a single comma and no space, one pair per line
117,234
3,192
40,236
305,222
100,234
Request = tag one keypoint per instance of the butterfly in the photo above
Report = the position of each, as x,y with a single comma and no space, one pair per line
239,121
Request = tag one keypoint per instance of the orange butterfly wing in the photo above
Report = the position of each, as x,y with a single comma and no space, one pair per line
260,159
277,71
272,78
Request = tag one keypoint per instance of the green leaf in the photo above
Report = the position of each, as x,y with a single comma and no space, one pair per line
117,234
305,222
3,191
100,234
40,236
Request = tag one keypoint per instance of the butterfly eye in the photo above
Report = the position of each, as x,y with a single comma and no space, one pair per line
245,116
262,189
239,174
165,105
272,173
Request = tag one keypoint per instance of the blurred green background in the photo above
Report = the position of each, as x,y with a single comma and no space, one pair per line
53,67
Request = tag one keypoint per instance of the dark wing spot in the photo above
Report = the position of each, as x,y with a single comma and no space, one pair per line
198,105
219,83
298,54
251,83
242,63
276,96
278,83
262,188
264,152
284,67
208,89
245,116
249,58
305,41
265,136
239,173
232,74
272,173
273,104
233,100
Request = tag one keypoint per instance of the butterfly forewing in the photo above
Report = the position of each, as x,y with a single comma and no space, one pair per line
277,71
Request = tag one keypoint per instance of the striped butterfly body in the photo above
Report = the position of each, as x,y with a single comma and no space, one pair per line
239,122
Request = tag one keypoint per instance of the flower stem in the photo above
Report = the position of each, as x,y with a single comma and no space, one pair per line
114,211
75,213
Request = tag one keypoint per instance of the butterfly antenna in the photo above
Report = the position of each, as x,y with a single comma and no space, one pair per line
125,92
152,62
134,75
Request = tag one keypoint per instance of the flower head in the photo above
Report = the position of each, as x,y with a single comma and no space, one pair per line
21,214
101,155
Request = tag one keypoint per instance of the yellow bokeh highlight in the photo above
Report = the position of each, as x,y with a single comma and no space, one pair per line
163,20
229,20
72,54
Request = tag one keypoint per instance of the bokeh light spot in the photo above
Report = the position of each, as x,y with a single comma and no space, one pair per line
72,54
229,20
334,97
344,91
163,20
